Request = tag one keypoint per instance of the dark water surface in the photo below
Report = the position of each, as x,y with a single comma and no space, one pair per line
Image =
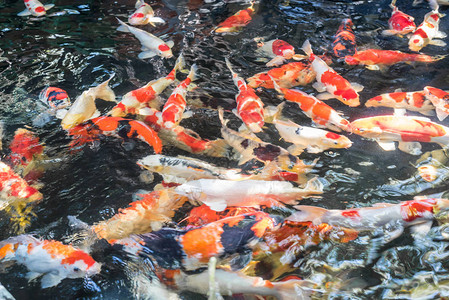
77,51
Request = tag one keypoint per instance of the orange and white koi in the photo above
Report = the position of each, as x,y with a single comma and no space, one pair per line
407,130
413,101
115,126
375,59
286,76
151,44
321,113
278,50
219,194
52,259
313,139
249,106
330,81
232,282
35,8
144,15
146,96
176,104
400,23
237,21
193,248
427,32
57,99
417,214
344,41
84,107
440,99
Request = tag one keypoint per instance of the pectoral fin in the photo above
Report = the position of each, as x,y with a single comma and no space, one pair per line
319,87
170,44
387,146
413,148
146,54
441,114
421,229
277,61
440,35
50,280
24,13
297,149
156,20
373,67
60,113
438,43
357,86
217,204
32,275
325,96
48,6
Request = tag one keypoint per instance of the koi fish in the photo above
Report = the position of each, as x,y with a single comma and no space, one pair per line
134,101
249,105
237,21
375,59
57,99
151,44
192,249
115,126
330,81
313,139
400,23
144,15
176,104
84,107
278,50
52,259
203,215
321,113
344,41
146,214
24,148
417,214
231,282
413,101
34,8
434,4
286,76
407,130
440,99
219,194
251,147
427,32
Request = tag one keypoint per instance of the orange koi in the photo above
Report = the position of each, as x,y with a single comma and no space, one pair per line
413,101
52,259
203,214
24,148
400,23
374,59
176,103
440,99
286,76
330,81
344,41
249,105
237,21
145,96
428,32
115,126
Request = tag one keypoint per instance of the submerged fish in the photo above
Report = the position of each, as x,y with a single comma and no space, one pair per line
52,260
399,22
278,50
413,101
428,32
57,99
440,99
143,15
344,41
237,21
35,8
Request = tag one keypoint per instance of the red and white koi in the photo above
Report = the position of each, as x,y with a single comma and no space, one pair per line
400,23
237,21
84,107
417,214
144,15
133,102
176,104
115,126
25,147
321,113
428,32
50,259
286,76
219,194
151,44
249,106
440,99
407,130
330,81
344,41
35,8
278,50
413,101
375,59
57,99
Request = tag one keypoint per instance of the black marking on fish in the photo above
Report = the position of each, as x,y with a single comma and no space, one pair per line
267,153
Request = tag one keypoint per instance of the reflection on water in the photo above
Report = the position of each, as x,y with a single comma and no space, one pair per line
81,48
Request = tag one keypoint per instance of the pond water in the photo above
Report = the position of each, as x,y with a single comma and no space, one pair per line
81,48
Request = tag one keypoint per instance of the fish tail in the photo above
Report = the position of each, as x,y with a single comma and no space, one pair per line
221,116
276,85
104,91
7,246
314,186
307,213
307,48
139,3
393,4
180,64
193,74
217,148
228,64
123,26
438,57
294,289
147,134
278,114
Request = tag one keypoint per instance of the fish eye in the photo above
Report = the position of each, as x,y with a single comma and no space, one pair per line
76,269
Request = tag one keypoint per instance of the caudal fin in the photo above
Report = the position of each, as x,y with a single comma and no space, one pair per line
307,213
104,91
294,289
123,26
193,74
307,48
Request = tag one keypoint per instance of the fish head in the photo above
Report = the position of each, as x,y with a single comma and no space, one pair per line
137,18
333,140
350,97
39,11
80,264
416,42
57,98
164,51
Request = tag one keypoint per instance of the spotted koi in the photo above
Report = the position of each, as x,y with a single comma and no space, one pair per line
278,50
440,99
427,32
413,101
400,23
34,8
344,43
143,15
